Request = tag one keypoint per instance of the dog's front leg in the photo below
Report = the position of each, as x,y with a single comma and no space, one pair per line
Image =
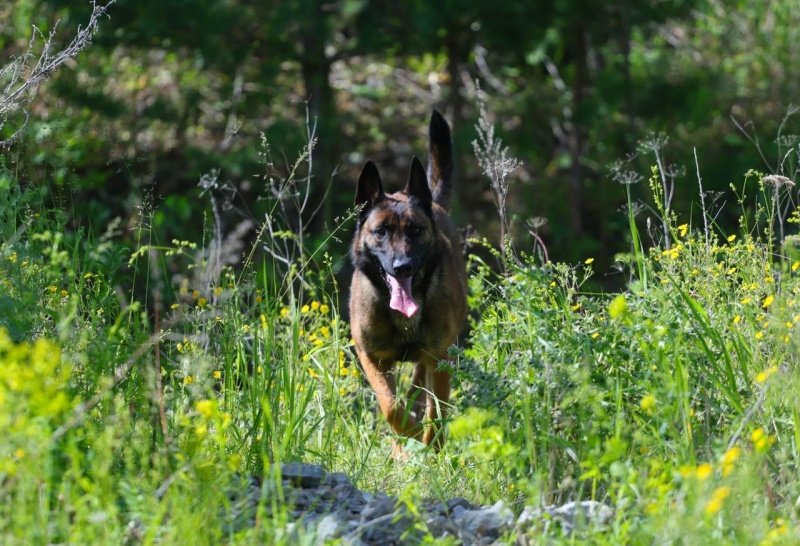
380,375
417,397
437,382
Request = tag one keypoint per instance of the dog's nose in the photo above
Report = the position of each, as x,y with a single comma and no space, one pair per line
402,268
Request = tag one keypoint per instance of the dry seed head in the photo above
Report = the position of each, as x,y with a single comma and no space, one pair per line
777,181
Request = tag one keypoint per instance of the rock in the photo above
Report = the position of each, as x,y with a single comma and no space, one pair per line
338,479
331,509
568,516
487,522
447,508
302,475
590,511
378,506
330,527
441,526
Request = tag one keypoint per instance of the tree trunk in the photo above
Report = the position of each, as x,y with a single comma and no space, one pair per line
576,136
316,68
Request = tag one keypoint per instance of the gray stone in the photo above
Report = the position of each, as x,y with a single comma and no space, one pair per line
568,516
447,508
331,508
588,511
487,522
379,505
441,526
338,479
302,475
329,527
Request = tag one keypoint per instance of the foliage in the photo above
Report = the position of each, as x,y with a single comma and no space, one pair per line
672,401
143,382
669,400
159,104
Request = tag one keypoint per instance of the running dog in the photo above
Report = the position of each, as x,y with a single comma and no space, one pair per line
408,298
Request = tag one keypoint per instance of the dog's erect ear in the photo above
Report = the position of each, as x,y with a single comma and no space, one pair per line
369,190
417,186
440,161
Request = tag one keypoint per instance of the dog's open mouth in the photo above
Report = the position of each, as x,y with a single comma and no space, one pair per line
401,298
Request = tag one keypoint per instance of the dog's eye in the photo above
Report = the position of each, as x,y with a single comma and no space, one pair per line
380,232
414,230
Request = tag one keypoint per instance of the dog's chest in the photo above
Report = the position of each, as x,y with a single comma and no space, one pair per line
407,330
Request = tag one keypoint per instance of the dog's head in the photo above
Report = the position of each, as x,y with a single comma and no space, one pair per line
395,232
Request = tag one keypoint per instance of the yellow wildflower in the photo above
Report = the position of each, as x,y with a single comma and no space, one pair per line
761,441
729,458
717,498
647,402
763,376
704,471
618,307
205,408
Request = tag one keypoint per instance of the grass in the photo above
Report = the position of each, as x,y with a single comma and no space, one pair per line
675,402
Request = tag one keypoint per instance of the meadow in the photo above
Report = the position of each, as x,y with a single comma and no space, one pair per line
139,386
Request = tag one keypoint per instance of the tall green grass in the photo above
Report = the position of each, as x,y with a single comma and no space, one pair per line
136,420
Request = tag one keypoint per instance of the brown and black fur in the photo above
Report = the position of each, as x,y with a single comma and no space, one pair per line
409,234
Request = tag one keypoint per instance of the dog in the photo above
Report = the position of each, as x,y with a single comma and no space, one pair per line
408,297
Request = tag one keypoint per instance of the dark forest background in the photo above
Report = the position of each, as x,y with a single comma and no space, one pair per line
171,91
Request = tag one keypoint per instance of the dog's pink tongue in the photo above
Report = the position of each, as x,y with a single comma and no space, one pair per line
402,300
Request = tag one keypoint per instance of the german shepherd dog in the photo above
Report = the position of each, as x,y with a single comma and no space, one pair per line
409,289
